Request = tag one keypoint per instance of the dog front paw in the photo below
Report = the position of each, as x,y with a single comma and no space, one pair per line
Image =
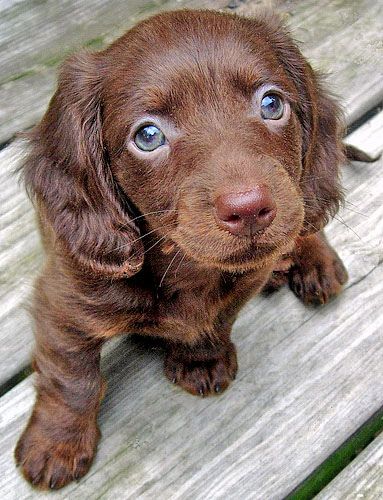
52,460
202,377
318,275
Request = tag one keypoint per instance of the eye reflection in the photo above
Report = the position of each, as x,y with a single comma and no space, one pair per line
149,138
272,107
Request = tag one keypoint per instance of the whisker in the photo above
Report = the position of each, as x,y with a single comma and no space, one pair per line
307,205
179,264
355,212
312,225
137,239
169,266
349,203
156,243
348,227
144,235
346,202
156,212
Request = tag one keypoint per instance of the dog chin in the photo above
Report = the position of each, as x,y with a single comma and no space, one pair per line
239,262
251,255
250,260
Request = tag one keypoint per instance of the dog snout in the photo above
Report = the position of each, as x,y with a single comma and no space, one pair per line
246,212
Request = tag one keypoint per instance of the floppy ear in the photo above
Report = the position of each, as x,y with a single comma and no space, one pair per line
68,174
321,121
323,153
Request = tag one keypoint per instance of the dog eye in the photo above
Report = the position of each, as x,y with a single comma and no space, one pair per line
272,107
149,138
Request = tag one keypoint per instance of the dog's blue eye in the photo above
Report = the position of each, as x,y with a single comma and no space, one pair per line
149,138
272,107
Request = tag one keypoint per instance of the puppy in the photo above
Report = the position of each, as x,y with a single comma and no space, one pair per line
175,174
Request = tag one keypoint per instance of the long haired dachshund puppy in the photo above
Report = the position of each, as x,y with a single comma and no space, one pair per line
175,174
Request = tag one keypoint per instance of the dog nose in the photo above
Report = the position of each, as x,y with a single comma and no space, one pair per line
247,212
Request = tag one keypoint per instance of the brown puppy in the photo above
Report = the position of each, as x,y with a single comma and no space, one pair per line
172,174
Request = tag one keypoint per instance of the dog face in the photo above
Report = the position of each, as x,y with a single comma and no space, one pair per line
209,131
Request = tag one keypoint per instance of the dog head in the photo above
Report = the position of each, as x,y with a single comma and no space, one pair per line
207,130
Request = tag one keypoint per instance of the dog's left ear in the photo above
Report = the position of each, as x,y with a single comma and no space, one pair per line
322,127
322,154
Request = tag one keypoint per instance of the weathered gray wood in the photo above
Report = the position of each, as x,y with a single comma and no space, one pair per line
308,379
39,33
36,35
20,258
368,137
342,37
353,54
362,479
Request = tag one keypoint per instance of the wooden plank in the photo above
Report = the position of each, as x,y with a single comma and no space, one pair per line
308,379
368,137
342,37
352,54
20,258
36,35
362,479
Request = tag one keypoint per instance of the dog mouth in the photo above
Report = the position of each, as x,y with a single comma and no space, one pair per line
254,254
248,253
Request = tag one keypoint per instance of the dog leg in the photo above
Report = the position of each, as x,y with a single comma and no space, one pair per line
59,442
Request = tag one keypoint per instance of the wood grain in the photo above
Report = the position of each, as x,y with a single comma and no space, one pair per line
362,479
35,36
20,259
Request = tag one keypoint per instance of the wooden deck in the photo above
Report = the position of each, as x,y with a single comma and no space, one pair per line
308,379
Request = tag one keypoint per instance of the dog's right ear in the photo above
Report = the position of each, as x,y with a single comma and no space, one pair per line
321,126
68,174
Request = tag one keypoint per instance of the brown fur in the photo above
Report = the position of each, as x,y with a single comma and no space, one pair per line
131,240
